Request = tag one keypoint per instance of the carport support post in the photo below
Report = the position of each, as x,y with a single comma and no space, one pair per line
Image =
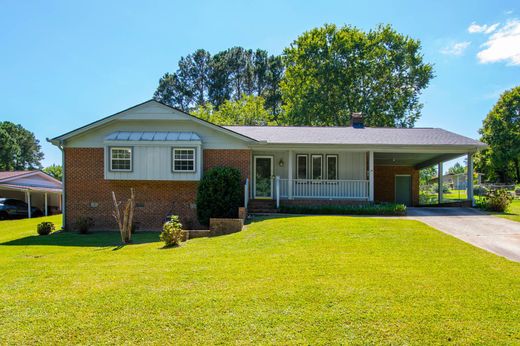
46,212
371,176
439,181
28,196
469,185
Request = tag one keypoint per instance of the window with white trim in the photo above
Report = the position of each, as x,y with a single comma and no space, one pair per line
183,159
317,166
121,159
301,164
332,167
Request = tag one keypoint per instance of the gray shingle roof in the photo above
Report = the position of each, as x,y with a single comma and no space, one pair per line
353,136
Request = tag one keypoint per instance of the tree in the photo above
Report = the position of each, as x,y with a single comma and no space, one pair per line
249,110
226,76
456,169
331,72
54,171
501,131
20,149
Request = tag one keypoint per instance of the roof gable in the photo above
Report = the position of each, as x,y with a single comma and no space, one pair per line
148,110
30,178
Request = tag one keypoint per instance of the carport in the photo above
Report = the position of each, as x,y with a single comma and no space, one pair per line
36,188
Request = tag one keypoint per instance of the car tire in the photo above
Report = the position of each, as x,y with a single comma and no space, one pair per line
37,214
4,215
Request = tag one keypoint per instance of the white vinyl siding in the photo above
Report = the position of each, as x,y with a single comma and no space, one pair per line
154,162
121,159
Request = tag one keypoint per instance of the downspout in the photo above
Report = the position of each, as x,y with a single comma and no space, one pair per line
63,199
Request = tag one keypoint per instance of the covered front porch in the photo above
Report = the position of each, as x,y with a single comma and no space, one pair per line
337,175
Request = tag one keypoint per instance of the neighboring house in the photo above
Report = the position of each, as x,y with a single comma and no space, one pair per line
36,188
162,152
457,181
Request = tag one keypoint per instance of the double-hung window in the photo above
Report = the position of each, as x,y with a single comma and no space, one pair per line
317,166
121,159
183,159
332,167
301,166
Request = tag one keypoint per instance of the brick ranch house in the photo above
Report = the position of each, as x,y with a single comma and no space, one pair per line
163,152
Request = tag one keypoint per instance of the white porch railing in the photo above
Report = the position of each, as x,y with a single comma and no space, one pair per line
325,189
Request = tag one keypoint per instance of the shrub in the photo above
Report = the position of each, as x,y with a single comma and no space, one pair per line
364,209
172,233
83,224
497,200
45,228
219,194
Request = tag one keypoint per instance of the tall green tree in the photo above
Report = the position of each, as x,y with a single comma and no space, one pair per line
331,72
501,131
249,110
457,168
55,171
19,148
226,76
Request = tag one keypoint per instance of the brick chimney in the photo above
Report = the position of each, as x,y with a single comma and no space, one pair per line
356,120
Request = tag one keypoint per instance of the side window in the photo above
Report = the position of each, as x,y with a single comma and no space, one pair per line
183,159
317,167
121,159
332,167
301,162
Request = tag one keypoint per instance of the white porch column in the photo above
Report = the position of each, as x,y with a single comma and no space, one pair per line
371,176
46,211
290,175
439,181
28,197
469,185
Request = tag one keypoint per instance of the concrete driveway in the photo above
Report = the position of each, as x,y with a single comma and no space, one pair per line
491,233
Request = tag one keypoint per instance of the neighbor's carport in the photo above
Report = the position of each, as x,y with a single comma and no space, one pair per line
36,188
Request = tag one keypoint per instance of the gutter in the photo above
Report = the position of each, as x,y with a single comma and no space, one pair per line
59,144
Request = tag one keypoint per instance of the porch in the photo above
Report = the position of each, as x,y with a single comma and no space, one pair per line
343,176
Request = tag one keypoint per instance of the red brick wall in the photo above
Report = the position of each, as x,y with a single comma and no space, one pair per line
384,182
85,184
237,158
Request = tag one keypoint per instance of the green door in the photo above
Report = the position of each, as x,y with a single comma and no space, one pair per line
403,189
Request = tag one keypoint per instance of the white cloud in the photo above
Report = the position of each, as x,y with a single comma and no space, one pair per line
509,12
485,29
503,45
456,48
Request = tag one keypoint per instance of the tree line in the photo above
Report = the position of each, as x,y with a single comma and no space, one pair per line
324,75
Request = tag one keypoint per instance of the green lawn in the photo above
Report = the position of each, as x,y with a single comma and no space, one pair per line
513,212
310,280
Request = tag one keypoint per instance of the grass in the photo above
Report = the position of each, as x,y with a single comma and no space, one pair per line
298,280
512,213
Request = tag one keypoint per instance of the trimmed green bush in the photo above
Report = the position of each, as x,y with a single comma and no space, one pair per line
364,209
172,233
45,228
219,194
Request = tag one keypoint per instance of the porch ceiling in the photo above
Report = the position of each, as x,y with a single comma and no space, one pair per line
418,160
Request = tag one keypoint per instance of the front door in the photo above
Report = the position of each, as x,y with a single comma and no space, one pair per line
403,189
263,177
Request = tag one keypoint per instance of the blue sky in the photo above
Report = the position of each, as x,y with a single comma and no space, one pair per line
67,63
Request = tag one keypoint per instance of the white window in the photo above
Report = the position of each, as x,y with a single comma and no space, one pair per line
183,159
301,163
317,164
332,167
121,159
